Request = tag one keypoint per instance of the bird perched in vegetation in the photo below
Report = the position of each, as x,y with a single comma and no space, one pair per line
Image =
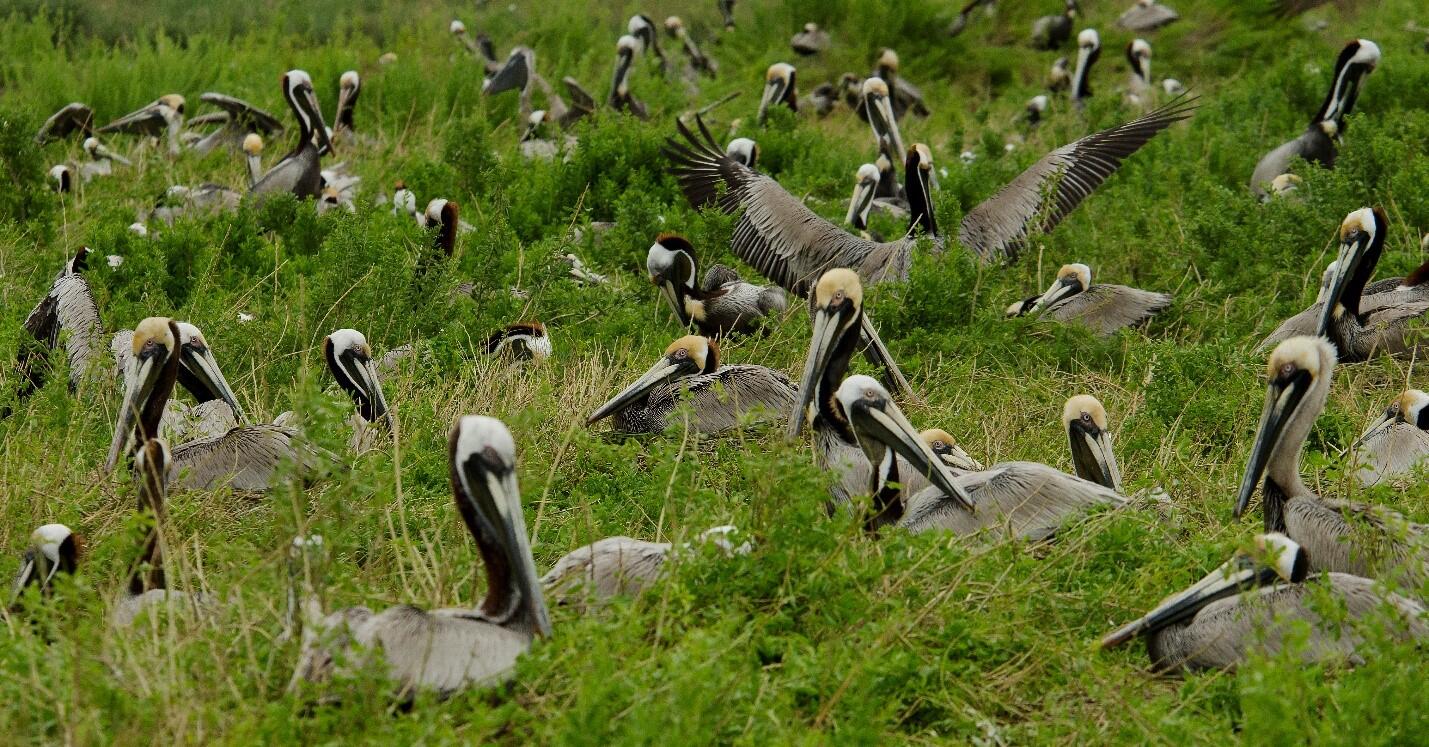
1104,308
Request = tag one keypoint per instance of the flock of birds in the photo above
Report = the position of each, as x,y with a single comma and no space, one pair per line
888,473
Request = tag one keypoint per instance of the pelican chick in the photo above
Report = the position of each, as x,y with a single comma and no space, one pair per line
1397,442
1104,308
722,304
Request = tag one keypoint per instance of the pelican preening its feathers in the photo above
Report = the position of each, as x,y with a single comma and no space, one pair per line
721,304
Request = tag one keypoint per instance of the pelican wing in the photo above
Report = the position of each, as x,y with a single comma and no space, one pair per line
1304,323
244,113
73,117
147,121
1107,308
1147,17
776,233
247,458
1040,197
610,567
718,400
69,307
1020,499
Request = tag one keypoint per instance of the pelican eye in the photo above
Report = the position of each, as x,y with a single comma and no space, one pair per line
682,354
1086,417
1287,370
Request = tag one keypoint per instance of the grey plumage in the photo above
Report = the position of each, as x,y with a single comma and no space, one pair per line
236,118
618,566
710,403
71,118
1147,15
1027,500
67,311
1398,442
300,172
248,458
1102,307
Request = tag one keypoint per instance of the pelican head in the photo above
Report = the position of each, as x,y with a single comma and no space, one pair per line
175,102
1410,407
626,48
948,450
865,185
884,432
1138,54
53,549
1299,372
688,356
1362,235
199,372
535,123
1284,184
1089,48
743,150
148,383
253,145
779,87
918,173
1084,419
837,311
349,358
483,479
61,180
642,28
1036,108
522,341
444,215
1274,558
671,265
348,88
514,75
1358,59
298,90
888,62
1071,280
457,28
674,26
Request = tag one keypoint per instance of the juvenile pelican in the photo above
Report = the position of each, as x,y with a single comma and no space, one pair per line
1318,143
148,585
1104,308
1051,32
779,89
522,341
1089,50
723,303
163,117
621,566
1397,442
71,118
1359,539
791,245
621,99
810,41
1254,603
1147,15
53,549
689,373
300,172
448,650
1027,500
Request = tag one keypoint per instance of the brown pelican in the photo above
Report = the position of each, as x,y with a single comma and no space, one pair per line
726,11
1139,90
879,111
253,157
1037,108
237,118
779,88
722,303
905,96
1020,499
1093,459
620,97
744,151
810,41
1344,537
198,374
698,61
961,21
620,566
69,308
349,358
1255,602
53,549
1318,142
348,89
73,117
642,27
1398,441
1146,15
61,179
1059,78
444,215
1360,324
519,73
148,585
101,160
719,397
522,341
480,48
1089,50
1051,32
164,116
300,172
247,457
946,448
789,244
865,186
1102,307
448,650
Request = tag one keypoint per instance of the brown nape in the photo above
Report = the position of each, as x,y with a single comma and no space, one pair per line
711,356
446,239
1418,277
498,568
674,241
147,425
149,570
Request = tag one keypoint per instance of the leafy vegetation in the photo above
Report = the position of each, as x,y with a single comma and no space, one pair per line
820,634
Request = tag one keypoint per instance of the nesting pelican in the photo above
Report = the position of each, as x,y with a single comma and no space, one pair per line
878,108
744,151
811,40
689,375
350,360
300,172
1397,442
237,119
620,566
1102,307
164,117
71,118
780,88
1089,436
1147,15
723,303
1051,32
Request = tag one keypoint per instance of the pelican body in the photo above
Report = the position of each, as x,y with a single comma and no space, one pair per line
621,566
721,304
1051,32
689,374
1251,603
1147,15
1341,537
1101,307
148,585
1397,442
449,650
300,172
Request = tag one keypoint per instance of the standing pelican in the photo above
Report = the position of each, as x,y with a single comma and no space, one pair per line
148,585
1344,537
621,99
810,41
689,373
789,244
1051,32
1319,141
1397,442
53,549
1104,308
722,303
71,118
779,89
448,650
1147,15
163,117
300,172
1255,603
946,448
1089,50
617,566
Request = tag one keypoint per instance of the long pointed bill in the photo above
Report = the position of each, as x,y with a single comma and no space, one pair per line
1384,423
1092,455
25,577
1058,291
201,365
888,426
618,88
343,97
319,126
1346,265
1236,575
821,346
877,352
880,117
672,295
496,501
140,383
1280,406
658,374
859,204
773,91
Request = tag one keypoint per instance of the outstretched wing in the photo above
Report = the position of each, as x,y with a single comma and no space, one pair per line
1040,197
73,117
244,113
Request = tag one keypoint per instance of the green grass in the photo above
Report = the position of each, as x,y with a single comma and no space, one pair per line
821,634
